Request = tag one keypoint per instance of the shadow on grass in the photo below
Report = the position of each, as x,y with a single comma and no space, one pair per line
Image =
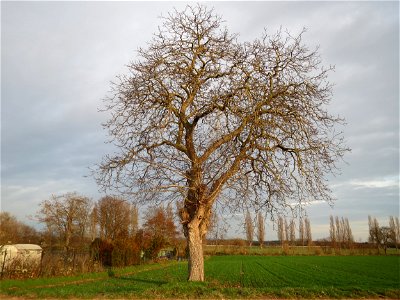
148,281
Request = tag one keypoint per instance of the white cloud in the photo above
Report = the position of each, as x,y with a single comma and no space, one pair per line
378,183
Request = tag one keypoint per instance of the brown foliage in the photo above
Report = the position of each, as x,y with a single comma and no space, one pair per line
15,232
159,230
113,217
68,216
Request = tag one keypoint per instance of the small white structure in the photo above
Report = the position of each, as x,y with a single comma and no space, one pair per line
20,255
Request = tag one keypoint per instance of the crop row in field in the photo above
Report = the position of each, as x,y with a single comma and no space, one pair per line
232,276
299,271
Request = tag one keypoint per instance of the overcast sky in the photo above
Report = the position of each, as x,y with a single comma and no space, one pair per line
58,58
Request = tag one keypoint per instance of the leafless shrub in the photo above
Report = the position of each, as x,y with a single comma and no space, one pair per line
62,263
20,268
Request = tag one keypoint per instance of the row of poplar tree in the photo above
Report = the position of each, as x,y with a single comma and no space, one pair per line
340,233
286,230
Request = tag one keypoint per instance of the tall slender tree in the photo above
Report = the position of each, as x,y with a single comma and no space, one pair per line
218,228
339,231
114,218
281,230
301,231
348,233
292,232
260,229
332,231
249,228
375,236
308,234
287,230
394,230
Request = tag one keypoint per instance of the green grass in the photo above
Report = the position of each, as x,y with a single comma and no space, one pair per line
310,276
291,250
230,277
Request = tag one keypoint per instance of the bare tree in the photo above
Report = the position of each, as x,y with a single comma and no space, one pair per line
202,117
394,230
260,229
93,227
342,231
281,230
371,229
381,236
348,233
14,231
249,228
287,231
292,232
339,232
68,215
114,217
332,231
308,235
134,220
374,232
301,231
213,232
384,237
160,228
217,229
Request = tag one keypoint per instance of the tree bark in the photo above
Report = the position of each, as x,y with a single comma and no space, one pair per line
196,260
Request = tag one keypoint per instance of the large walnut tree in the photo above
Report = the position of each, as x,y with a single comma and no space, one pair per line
202,117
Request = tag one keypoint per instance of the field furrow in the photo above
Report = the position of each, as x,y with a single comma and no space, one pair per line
229,277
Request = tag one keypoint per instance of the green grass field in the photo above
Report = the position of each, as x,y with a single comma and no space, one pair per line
230,277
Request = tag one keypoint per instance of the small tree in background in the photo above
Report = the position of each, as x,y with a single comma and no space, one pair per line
134,227
159,229
94,222
332,231
348,233
16,232
281,230
339,232
292,232
394,230
218,228
67,215
301,231
260,229
287,231
374,232
249,228
382,236
114,218
397,229
308,235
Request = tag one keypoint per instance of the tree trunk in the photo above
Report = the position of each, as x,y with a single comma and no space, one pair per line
195,218
196,260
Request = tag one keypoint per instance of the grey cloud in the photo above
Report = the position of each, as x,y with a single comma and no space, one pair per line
59,57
